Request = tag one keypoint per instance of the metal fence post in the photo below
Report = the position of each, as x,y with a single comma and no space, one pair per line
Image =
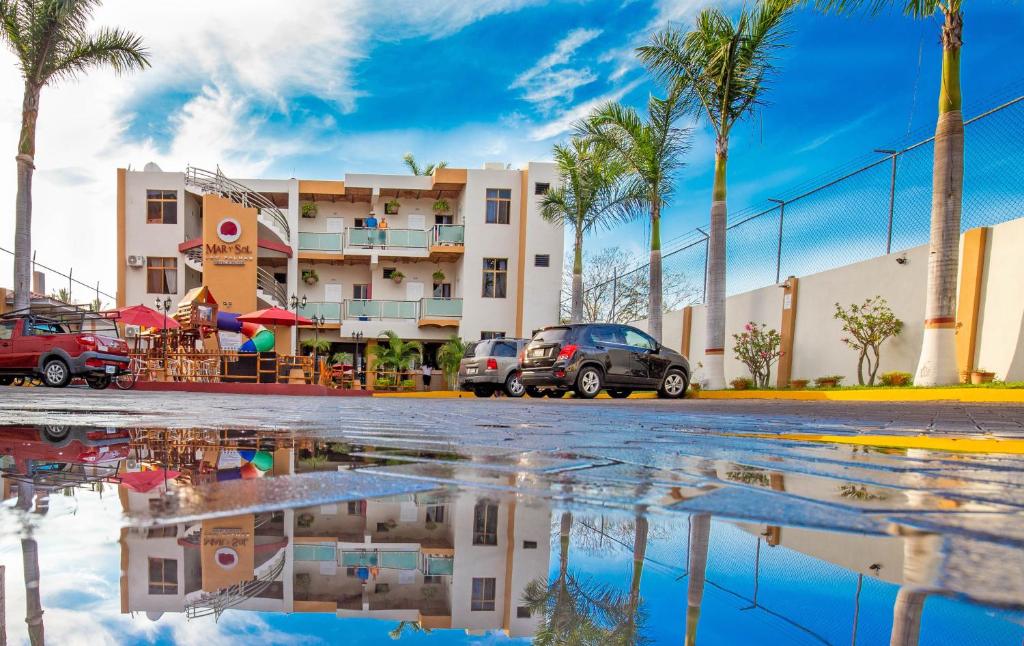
707,238
892,196
615,295
778,251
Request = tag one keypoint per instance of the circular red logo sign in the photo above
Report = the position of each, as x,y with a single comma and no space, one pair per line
229,230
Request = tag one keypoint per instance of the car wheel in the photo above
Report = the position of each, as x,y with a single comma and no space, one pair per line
514,386
6,381
55,434
56,373
619,393
555,394
533,391
588,383
98,383
481,391
674,385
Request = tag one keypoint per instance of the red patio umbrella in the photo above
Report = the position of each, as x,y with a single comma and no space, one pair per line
146,481
275,316
146,317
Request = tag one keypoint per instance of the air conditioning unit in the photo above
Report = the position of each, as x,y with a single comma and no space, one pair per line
131,331
136,261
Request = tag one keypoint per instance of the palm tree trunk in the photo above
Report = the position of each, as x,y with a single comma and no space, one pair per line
714,348
23,202
654,296
700,535
563,544
33,605
641,529
576,311
937,365
906,617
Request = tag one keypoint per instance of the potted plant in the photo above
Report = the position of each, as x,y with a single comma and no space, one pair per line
742,383
982,377
408,384
695,389
441,206
310,277
828,381
309,209
438,276
397,277
798,384
391,207
896,378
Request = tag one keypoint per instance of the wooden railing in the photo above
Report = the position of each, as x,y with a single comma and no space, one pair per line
212,366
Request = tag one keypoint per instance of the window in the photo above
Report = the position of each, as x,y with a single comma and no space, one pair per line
382,588
388,272
495,277
359,223
522,612
444,219
383,527
356,508
606,334
161,275
432,579
351,572
442,290
541,188
529,545
554,335
486,335
435,514
485,523
163,576
499,203
504,349
483,594
542,260
161,207
638,339
167,531
7,330
361,292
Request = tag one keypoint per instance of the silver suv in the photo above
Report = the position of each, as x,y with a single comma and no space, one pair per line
491,365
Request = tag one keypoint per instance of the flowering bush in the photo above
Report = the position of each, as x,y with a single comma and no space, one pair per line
758,348
867,326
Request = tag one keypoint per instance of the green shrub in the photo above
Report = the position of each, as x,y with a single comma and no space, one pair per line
742,383
828,381
896,378
408,384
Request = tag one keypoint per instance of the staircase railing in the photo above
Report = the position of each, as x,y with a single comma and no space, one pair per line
217,182
266,282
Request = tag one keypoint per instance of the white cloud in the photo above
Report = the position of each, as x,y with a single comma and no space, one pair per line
543,84
564,122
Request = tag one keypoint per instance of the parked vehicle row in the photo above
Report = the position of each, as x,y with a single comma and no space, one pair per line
583,359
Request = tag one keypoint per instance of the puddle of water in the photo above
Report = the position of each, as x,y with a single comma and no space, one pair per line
157,536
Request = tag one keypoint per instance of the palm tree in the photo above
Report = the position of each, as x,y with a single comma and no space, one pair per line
591,196
937,365
63,295
700,535
652,151
395,353
30,565
50,41
416,169
413,626
449,356
724,66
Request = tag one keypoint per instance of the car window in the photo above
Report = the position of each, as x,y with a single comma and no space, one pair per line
470,351
553,335
7,330
606,334
504,349
637,339
40,327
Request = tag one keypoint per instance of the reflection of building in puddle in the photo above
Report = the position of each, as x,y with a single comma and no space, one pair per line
435,559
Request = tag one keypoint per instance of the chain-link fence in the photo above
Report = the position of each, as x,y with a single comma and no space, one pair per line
866,210
69,287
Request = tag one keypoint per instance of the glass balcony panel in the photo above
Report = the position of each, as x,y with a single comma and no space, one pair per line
359,559
330,311
399,560
449,234
358,309
440,565
319,241
442,307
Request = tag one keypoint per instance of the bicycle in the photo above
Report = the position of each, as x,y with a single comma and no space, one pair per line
127,379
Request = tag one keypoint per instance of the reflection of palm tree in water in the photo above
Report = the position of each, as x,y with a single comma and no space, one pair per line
700,534
574,611
413,626
30,563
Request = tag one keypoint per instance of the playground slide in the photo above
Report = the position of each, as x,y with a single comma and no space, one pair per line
258,337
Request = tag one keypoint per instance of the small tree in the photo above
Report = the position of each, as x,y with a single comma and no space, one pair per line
867,326
758,347
449,356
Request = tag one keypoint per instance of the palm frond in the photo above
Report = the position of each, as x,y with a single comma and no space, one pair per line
410,163
120,50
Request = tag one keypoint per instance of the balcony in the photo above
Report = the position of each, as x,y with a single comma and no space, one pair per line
320,242
361,310
427,312
330,311
440,312
439,243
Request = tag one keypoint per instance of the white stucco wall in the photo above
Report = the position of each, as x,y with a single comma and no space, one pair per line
542,285
1000,344
144,239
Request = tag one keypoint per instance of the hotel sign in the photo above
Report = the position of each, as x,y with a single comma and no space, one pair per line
228,251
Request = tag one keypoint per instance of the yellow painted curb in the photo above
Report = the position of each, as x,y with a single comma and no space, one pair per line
981,395
454,394
948,444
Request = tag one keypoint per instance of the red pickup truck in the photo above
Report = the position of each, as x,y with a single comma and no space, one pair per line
55,348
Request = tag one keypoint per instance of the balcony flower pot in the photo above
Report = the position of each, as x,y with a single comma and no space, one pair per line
982,377
397,277
798,384
310,277
441,207
309,209
830,381
438,276
391,207
741,384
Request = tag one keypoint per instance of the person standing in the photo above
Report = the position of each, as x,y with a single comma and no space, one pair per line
383,226
371,224
428,372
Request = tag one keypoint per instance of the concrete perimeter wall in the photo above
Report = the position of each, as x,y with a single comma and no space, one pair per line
817,346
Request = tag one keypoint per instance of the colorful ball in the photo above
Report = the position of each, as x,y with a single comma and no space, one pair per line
249,471
263,460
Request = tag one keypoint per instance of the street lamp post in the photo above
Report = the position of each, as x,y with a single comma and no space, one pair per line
296,303
164,307
318,321
358,367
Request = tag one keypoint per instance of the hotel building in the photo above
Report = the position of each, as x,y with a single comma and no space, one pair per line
464,251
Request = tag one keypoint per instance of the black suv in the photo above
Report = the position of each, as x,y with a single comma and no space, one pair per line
587,358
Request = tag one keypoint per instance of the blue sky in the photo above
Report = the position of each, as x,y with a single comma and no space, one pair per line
323,88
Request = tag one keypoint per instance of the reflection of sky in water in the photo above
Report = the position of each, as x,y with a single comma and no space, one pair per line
80,567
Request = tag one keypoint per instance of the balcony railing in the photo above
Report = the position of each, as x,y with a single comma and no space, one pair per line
440,308
320,241
330,311
393,238
380,309
447,234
